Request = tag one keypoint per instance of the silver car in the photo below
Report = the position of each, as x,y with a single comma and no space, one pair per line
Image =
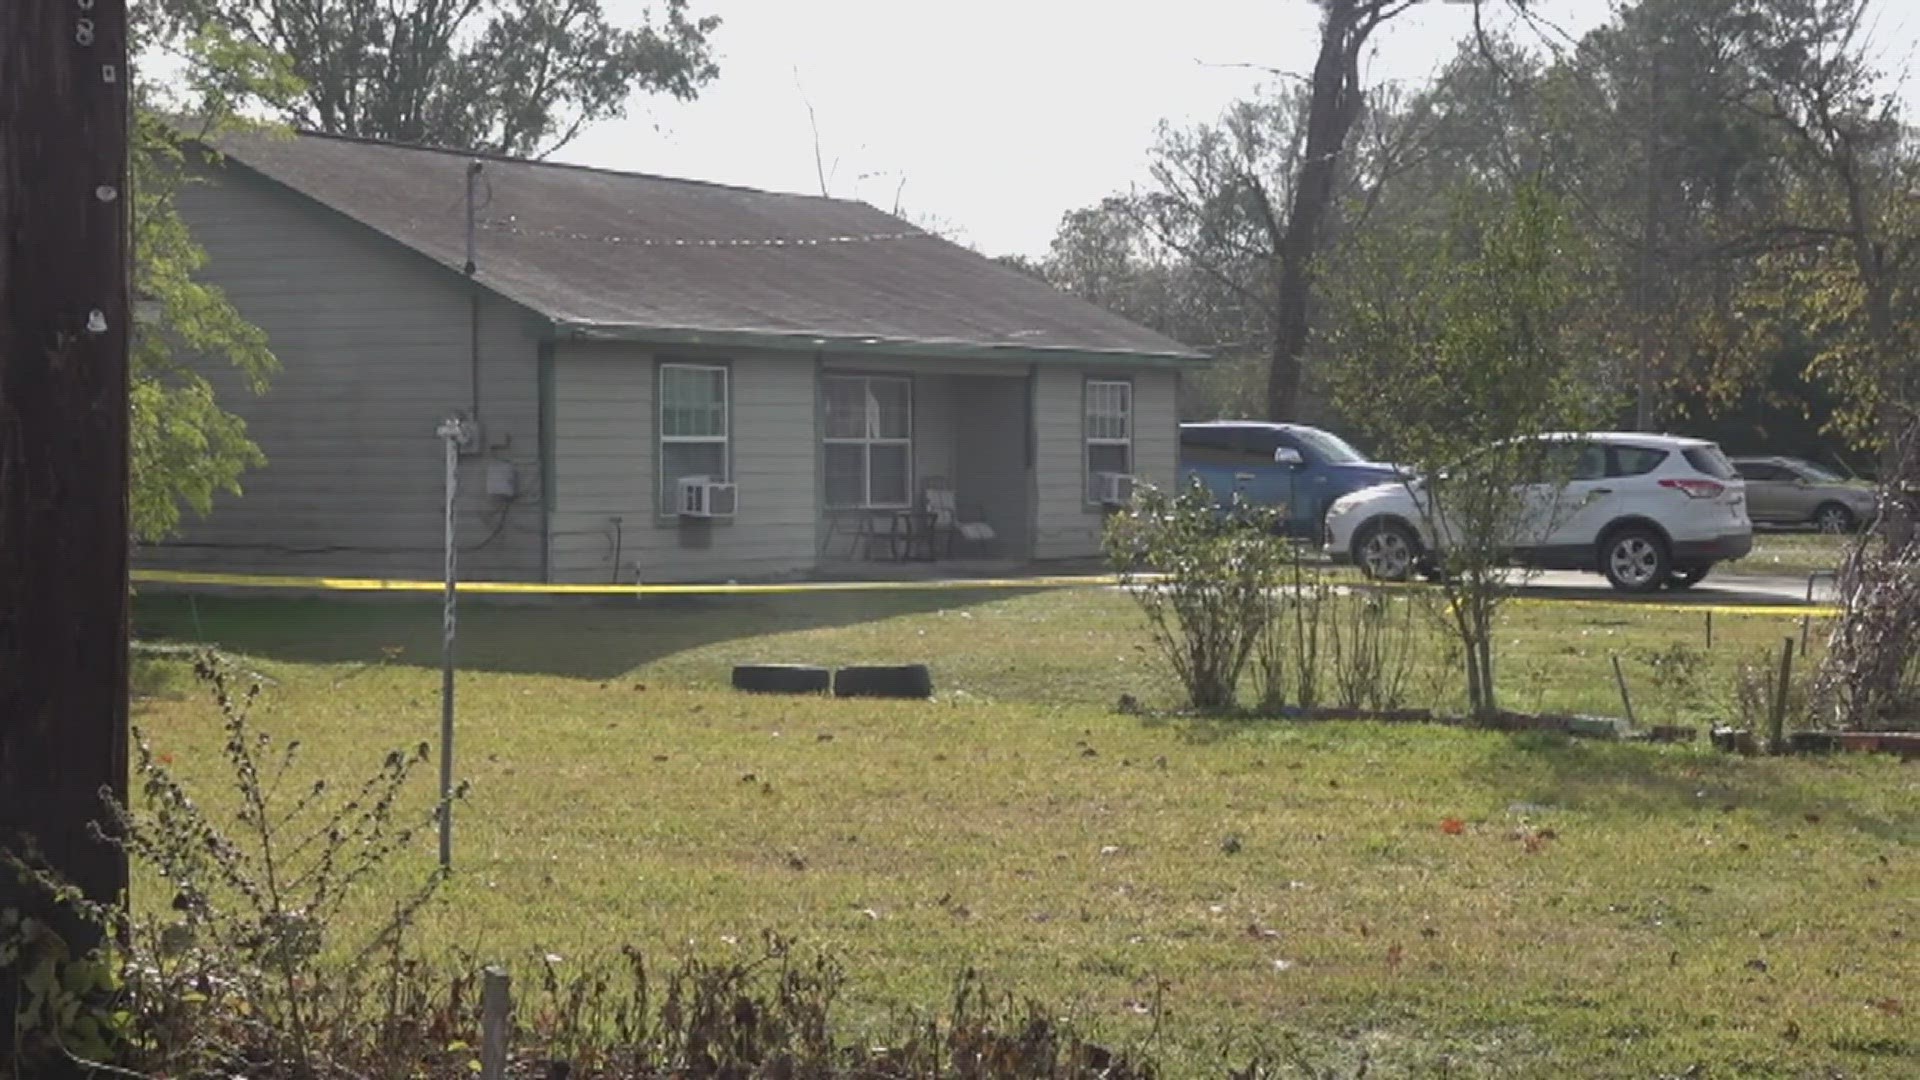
1792,491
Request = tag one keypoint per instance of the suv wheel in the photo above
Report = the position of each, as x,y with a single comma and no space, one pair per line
1386,552
1833,518
1635,560
1686,577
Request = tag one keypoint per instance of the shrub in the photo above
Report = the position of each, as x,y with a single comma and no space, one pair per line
1329,644
1205,576
243,970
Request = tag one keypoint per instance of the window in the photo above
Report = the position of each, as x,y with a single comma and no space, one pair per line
1817,473
1761,471
1109,431
693,427
869,441
1562,462
1709,460
1328,447
1257,445
1208,442
1636,460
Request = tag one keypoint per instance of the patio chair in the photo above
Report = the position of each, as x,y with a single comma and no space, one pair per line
948,520
860,529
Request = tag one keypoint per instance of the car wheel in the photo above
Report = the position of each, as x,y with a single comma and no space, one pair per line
1387,552
1635,560
1686,577
1833,518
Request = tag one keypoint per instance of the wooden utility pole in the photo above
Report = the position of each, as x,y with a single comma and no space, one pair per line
64,322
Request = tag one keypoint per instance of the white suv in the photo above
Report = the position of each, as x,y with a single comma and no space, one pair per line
1648,511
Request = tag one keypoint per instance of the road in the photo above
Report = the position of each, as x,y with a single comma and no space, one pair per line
1737,590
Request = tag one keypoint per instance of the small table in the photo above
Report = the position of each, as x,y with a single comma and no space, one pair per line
910,535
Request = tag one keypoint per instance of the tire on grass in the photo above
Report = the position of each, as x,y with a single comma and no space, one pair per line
884,681
782,679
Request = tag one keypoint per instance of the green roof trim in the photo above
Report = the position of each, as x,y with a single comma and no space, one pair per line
786,341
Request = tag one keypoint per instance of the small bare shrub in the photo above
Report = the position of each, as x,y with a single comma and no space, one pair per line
1756,682
244,969
1371,649
1204,576
1327,643
1676,675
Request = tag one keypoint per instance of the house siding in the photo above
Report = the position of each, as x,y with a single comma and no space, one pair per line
604,422
373,345
1066,526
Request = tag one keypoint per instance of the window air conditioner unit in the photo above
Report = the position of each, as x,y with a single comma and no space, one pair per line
1112,489
705,497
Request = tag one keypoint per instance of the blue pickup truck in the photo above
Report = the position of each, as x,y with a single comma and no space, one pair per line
1302,468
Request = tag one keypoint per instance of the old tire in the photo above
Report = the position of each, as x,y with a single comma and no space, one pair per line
782,679
884,681
1635,560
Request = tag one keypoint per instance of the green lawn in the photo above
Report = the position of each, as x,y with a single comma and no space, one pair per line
1607,909
1792,554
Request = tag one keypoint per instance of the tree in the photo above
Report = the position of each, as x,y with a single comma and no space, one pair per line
1334,103
1854,206
1457,345
1218,217
519,77
1854,281
1109,254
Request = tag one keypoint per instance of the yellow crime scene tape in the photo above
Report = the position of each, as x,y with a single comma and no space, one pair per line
1062,581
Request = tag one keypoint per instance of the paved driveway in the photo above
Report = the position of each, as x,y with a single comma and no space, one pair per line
1724,589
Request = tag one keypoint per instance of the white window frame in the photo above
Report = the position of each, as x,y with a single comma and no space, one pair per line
872,439
670,485
1093,387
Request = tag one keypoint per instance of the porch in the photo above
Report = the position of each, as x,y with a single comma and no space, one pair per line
924,467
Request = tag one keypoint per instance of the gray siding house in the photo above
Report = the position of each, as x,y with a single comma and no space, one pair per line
620,333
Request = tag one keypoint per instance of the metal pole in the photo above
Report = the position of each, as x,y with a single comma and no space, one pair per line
450,433
1626,701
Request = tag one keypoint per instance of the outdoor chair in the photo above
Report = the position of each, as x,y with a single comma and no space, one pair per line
948,520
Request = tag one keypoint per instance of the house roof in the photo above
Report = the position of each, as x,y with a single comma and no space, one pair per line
632,257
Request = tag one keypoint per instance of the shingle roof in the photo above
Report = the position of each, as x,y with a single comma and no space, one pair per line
624,255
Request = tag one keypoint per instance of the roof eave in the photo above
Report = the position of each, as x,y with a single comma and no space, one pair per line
577,330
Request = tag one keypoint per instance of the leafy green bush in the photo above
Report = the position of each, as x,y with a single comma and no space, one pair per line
1205,576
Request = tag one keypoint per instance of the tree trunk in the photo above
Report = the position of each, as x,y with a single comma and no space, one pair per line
1331,110
64,316
1896,524
1488,701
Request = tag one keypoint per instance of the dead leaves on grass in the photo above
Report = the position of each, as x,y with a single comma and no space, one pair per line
1531,838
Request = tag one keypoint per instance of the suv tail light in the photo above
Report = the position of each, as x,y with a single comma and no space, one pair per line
1696,489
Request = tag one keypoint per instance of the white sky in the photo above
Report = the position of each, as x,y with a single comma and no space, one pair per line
992,118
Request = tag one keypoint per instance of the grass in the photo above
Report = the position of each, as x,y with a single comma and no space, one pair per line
1791,554
1603,910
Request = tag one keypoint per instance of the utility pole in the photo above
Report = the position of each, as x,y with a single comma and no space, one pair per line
64,322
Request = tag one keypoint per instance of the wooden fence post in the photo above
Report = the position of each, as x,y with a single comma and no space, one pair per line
496,1004
1777,723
